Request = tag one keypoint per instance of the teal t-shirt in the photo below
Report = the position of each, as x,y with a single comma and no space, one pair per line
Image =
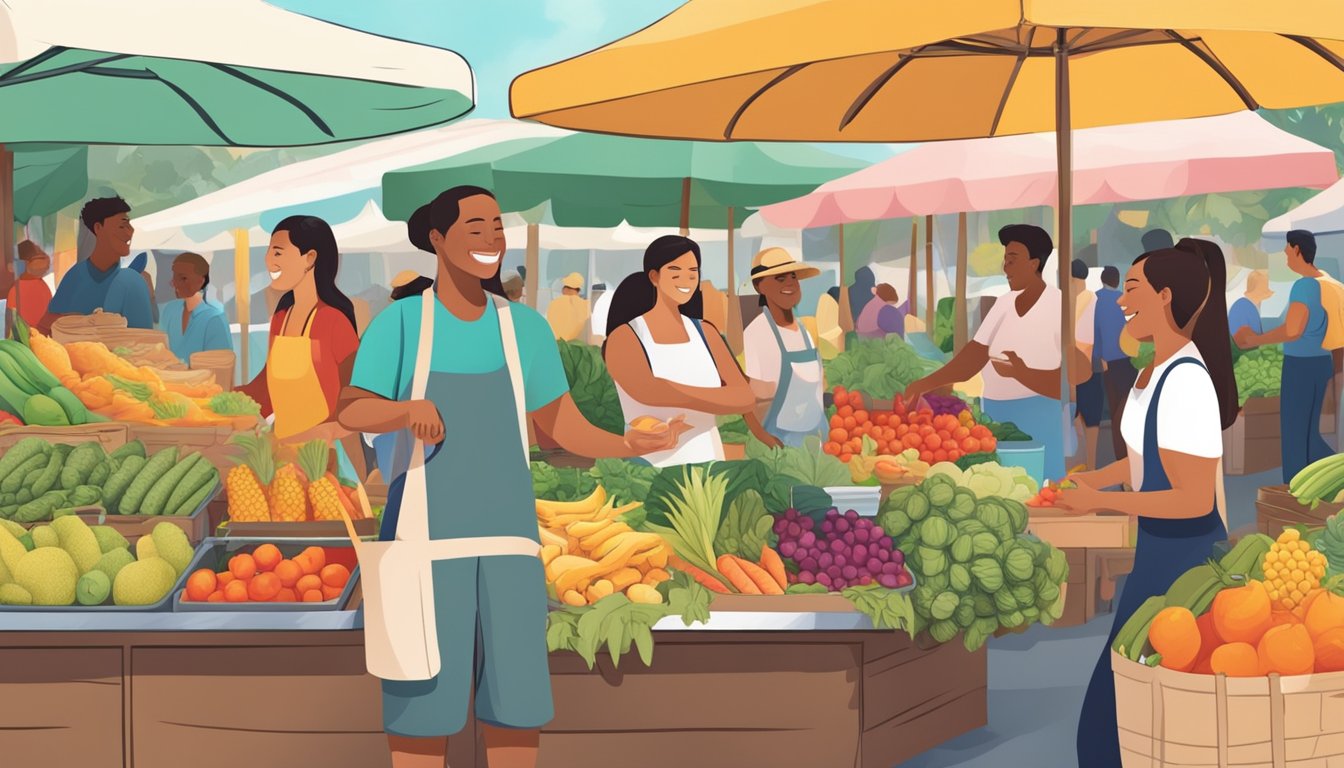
1307,292
385,363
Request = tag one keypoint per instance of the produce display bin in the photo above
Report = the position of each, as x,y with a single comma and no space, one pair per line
316,529
1276,509
212,442
1027,454
162,605
1251,444
196,525
110,435
215,553
1066,530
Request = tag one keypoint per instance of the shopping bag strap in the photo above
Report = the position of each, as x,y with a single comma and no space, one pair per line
362,497
515,368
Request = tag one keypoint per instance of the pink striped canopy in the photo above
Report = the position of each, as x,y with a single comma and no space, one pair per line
1144,161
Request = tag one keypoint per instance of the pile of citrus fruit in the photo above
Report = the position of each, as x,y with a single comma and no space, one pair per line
942,437
266,576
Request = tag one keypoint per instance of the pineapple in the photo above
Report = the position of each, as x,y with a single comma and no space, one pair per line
247,482
289,499
326,498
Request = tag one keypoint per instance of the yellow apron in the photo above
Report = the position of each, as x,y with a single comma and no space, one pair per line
296,393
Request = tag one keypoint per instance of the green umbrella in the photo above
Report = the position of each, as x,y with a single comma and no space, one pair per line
47,178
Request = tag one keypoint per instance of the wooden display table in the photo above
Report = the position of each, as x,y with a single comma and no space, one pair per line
221,699
1093,576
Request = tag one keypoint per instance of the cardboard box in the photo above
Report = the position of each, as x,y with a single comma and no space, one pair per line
110,435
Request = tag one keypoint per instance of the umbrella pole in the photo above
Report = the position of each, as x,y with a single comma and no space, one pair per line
846,306
734,329
1064,211
242,299
7,228
959,329
912,295
685,224
930,306
533,261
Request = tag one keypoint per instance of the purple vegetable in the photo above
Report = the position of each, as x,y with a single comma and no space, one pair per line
874,565
788,548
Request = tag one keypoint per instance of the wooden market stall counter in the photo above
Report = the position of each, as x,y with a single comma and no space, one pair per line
170,690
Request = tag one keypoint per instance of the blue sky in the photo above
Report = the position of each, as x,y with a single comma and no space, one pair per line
504,38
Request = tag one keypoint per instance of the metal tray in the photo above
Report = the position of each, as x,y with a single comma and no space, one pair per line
214,553
161,606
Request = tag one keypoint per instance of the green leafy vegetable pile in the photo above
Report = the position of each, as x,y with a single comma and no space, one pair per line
809,465
624,481
591,386
733,430
975,568
943,332
1259,372
618,624
880,368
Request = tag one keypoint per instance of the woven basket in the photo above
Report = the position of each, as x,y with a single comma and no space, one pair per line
1168,719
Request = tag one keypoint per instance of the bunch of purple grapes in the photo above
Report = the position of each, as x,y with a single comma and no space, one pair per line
849,551
945,404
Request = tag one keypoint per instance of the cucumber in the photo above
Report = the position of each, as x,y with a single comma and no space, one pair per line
120,480
195,500
48,477
139,488
133,448
204,472
14,480
20,452
156,499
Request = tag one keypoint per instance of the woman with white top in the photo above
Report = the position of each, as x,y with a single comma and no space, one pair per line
1172,427
666,361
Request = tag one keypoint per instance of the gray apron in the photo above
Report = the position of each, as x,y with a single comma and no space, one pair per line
808,354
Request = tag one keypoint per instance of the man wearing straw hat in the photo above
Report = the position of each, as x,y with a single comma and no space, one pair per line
569,312
782,363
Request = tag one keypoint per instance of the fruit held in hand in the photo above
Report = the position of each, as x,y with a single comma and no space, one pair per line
648,424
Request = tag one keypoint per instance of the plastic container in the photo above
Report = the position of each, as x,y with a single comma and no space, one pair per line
1027,454
866,500
214,554
161,606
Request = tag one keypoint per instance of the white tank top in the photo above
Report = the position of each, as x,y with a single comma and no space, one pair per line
688,363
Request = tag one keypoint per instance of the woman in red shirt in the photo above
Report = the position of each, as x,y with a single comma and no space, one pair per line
313,339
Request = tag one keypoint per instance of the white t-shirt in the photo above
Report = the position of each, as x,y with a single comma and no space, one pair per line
1188,419
1034,337
762,352
600,309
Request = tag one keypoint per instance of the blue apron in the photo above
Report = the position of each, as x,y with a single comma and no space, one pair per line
1166,549
490,611
808,354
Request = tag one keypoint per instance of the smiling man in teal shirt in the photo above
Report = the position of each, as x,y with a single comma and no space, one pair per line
100,282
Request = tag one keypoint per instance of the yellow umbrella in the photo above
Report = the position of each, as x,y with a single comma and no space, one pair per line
915,70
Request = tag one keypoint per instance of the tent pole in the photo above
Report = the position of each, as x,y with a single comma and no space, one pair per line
1064,210
846,309
959,323
930,305
685,224
533,260
912,294
7,227
242,299
734,329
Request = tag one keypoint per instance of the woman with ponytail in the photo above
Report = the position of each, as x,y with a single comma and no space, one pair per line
666,361
192,323
1172,426
313,338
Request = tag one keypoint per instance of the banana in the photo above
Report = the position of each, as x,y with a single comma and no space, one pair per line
624,578
566,563
654,557
617,557
636,542
550,538
552,509
586,528
592,542
549,553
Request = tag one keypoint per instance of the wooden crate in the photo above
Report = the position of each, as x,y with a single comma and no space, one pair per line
1092,585
316,529
111,436
196,525
61,707
1251,444
211,442
1276,509
1079,531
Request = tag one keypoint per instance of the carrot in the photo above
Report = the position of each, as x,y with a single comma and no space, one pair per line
765,583
774,565
731,567
707,580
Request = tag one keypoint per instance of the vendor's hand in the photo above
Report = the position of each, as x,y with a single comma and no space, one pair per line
644,443
1014,368
424,422
769,440
1081,500
914,392
328,432
1244,337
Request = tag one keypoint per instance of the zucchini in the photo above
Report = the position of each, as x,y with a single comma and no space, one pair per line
23,496
20,452
79,465
133,448
204,472
144,480
46,479
195,500
157,498
15,480
102,472
120,480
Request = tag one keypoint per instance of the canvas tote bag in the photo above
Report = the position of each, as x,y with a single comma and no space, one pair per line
400,634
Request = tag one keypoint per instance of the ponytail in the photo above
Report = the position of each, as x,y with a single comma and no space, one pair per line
1196,274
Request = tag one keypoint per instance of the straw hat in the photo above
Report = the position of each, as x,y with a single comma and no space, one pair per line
573,280
777,261
404,277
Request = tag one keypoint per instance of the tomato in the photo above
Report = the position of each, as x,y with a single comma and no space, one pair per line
861,415
987,445
980,432
912,440
846,411
851,423
846,456
944,435
841,397
889,434
961,433
832,448
902,430
926,457
953,455
837,422
940,455
932,442
839,435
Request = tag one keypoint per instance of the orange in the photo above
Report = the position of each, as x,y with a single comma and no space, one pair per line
264,587
308,583
1329,648
1242,614
1175,635
1326,612
330,593
1287,649
1235,660
289,572
223,578
201,584
236,592
287,595
317,557
216,597
267,556
313,596
1208,642
243,567
335,576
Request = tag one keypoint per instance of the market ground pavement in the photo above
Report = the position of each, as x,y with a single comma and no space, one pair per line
1037,680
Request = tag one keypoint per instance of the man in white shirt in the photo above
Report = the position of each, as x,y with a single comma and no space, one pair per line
1020,337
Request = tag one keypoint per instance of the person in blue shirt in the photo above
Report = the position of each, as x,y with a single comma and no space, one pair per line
1245,312
1308,366
100,282
192,323
1117,369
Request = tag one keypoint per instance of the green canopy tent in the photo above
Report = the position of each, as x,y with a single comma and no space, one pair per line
47,178
239,73
594,180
